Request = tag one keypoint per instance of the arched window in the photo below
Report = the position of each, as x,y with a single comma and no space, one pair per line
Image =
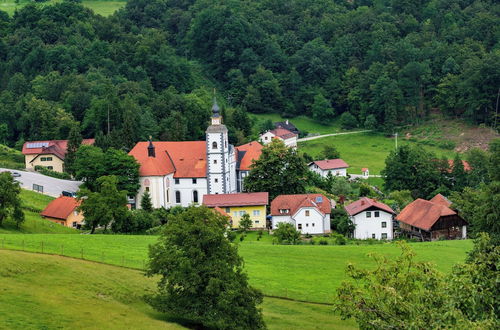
178,197
195,196
214,145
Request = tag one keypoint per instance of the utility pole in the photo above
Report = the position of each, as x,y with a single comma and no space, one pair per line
396,140
496,111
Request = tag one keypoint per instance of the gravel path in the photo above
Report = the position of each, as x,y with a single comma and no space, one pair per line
331,134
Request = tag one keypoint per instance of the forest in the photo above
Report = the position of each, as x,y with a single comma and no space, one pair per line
150,68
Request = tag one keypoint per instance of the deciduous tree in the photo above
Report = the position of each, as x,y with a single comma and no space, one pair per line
10,202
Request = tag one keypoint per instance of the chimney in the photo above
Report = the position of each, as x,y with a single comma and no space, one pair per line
362,202
151,149
286,122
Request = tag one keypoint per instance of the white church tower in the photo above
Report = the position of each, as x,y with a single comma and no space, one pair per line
220,156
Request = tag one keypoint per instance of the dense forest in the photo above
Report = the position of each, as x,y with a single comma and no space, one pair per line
149,69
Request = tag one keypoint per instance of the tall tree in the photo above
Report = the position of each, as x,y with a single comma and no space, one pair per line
10,202
74,141
146,203
202,276
458,174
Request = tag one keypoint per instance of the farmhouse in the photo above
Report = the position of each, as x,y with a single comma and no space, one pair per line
181,172
371,218
288,137
335,167
309,213
431,220
236,205
287,125
63,210
49,153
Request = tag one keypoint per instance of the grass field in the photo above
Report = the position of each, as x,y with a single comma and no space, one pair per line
11,158
304,272
364,150
51,292
303,123
102,7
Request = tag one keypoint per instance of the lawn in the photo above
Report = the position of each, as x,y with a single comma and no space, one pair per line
303,123
104,7
52,292
364,150
304,272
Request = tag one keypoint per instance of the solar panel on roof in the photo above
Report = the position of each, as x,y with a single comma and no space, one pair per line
37,145
319,199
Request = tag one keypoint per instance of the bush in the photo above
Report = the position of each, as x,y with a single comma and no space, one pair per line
231,236
323,242
286,234
348,121
54,174
339,239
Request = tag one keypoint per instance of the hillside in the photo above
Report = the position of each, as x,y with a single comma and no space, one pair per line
41,291
101,7
11,158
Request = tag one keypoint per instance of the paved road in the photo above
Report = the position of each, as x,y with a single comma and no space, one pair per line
331,134
51,186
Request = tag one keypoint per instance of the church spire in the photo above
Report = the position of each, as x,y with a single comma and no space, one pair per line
216,117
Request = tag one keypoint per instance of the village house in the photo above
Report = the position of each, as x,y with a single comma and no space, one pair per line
289,138
236,205
49,154
287,125
431,220
365,173
309,213
335,167
371,218
64,211
179,173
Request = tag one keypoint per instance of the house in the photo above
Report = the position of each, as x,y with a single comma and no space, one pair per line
371,218
431,220
246,154
223,213
365,173
236,205
49,153
63,210
181,172
309,213
288,137
288,126
335,167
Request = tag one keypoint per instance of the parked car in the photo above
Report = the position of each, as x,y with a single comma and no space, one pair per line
69,193
15,174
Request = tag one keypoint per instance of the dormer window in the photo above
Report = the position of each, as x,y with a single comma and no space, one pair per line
214,145
284,211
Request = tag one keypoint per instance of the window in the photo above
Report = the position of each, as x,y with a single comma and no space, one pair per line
256,221
256,213
235,213
147,189
368,214
74,224
307,213
242,213
299,226
194,181
377,214
265,138
216,180
228,210
215,161
214,145
373,235
307,225
177,181
168,195
50,167
319,199
45,159
284,211
384,224
384,235
178,197
195,196
313,224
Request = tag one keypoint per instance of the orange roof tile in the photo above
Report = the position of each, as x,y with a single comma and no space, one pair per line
221,212
50,147
423,214
283,133
441,200
296,202
61,207
240,199
330,164
247,153
365,203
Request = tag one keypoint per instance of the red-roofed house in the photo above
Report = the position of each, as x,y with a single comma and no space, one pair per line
246,154
63,210
309,213
335,167
236,205
371,218
430,220
49,154
289,138
180,173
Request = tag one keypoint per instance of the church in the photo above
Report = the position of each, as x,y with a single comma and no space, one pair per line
180,173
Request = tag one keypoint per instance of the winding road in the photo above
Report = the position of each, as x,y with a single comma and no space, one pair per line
309,138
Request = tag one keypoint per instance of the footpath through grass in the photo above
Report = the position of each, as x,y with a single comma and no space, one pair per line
101,7
304,272
52,292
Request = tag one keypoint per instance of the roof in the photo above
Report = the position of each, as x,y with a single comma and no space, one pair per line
330,164
423,214
365,203
296,202
246,153
221,212
465,163
364,169
186,159
287,125
61,207
51,147
441,200
283,133
240,199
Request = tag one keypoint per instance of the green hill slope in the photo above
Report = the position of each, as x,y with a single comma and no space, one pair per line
11,158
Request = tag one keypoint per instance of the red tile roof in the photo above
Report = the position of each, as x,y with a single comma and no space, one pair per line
364,169
423,214
465,163
330,164
188,159
221,212
50,147
250,151
441,200
365,203
283,133
296,202
240,199
61,207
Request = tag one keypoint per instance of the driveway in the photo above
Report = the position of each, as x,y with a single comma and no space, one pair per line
331,134
51,186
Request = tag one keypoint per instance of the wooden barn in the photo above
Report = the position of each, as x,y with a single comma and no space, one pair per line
431,220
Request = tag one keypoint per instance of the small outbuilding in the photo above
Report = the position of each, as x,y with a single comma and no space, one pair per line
64,211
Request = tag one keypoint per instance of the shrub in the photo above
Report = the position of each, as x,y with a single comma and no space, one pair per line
286,234
348,121
58,175
323,242
231,236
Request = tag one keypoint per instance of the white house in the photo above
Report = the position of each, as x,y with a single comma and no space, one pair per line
309,213
371,218
365,173
336,167
182,172
289,138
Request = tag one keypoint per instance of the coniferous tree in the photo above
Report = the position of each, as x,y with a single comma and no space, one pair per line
74,141
458,174
146,203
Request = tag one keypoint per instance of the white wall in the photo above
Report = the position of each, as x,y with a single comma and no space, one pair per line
312,224
186,187
291,142
156,190
276,219
366,227
335,172
267,137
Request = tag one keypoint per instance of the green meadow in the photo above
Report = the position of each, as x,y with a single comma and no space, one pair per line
101,7
303,123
